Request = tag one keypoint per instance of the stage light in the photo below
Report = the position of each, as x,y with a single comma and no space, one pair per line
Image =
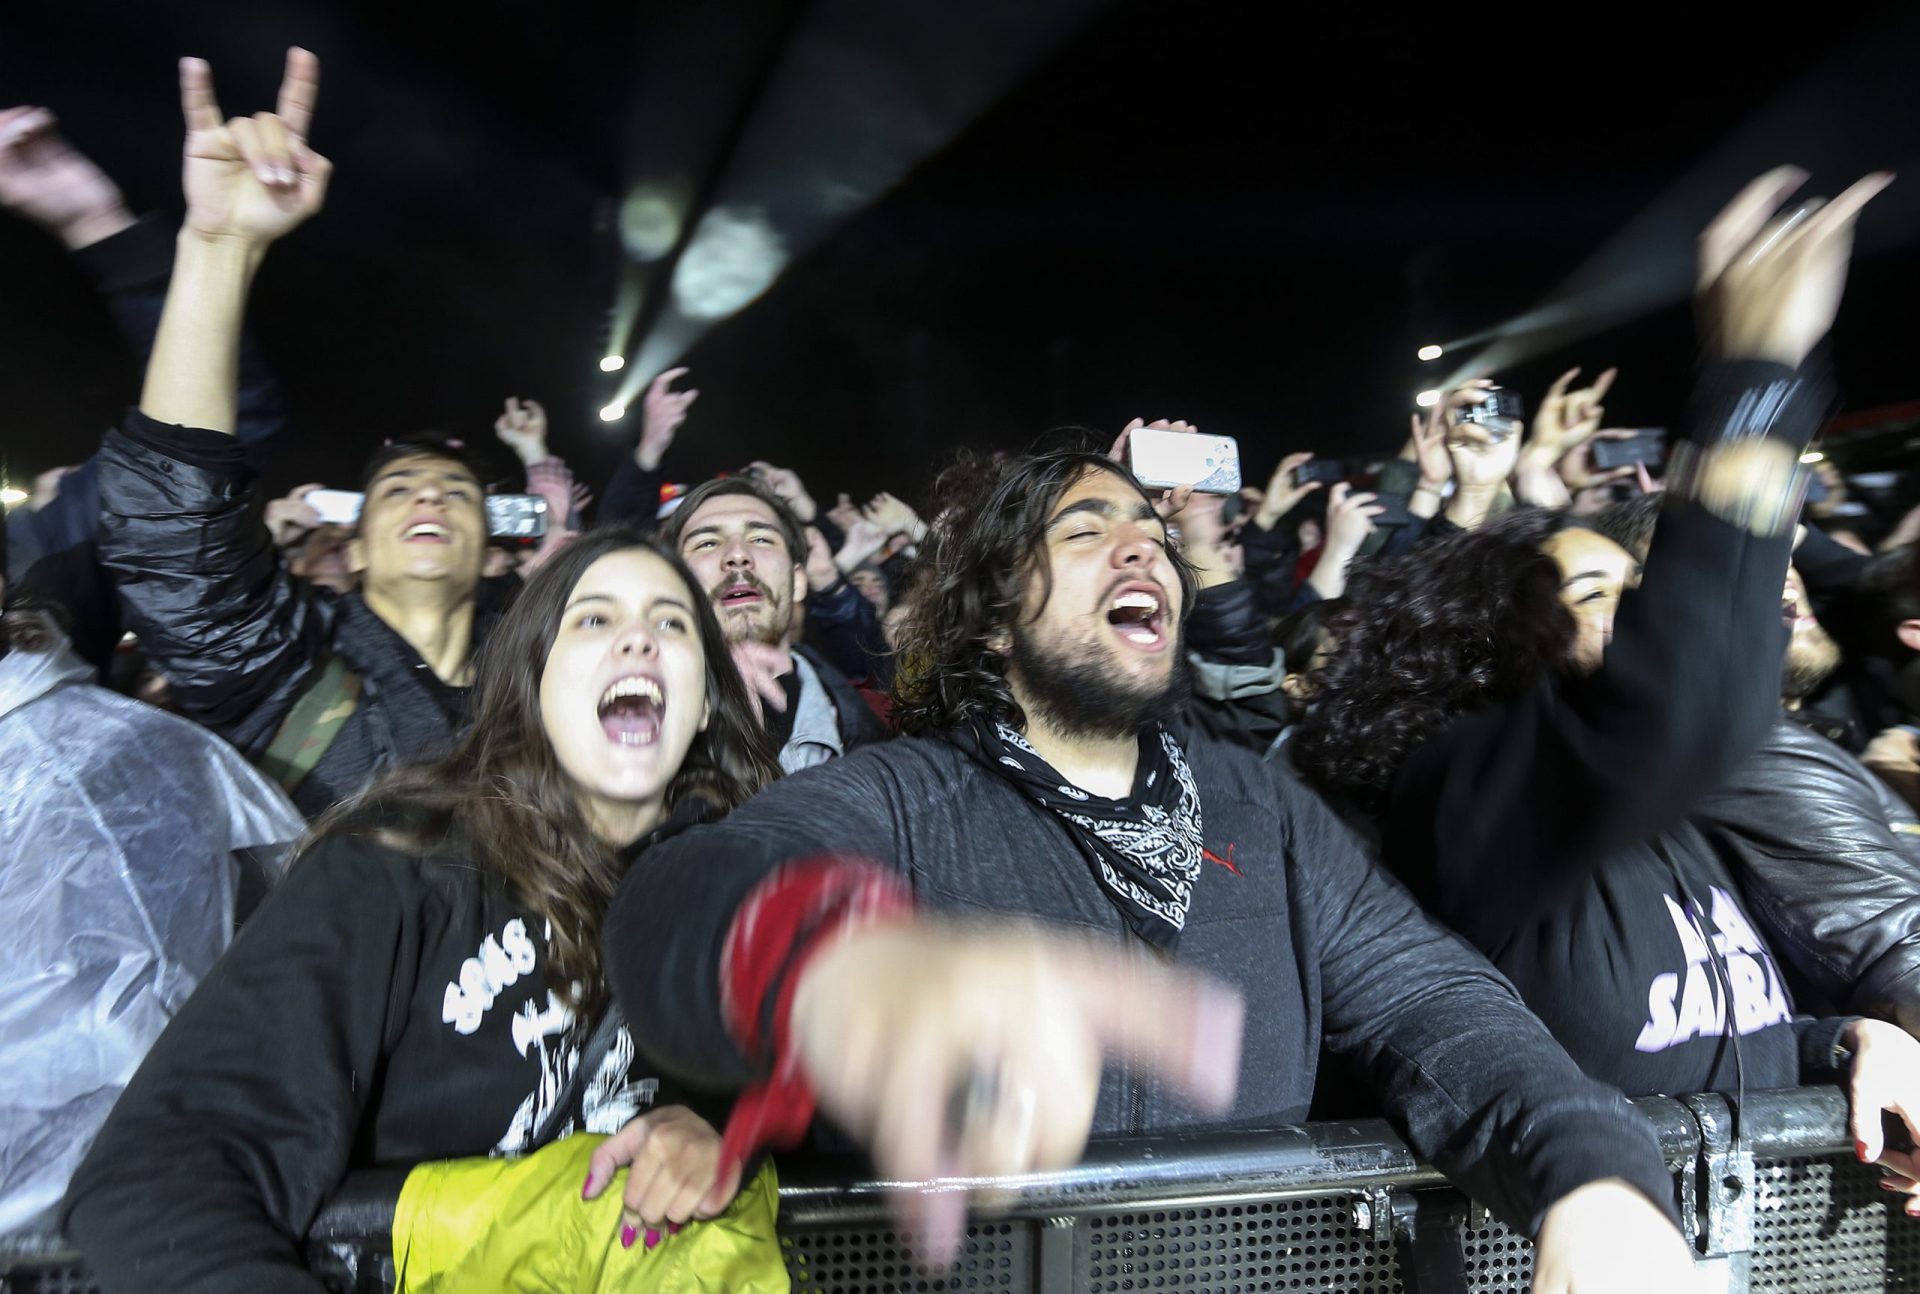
1811,456
1430,352
1427,399
11,496
613,413
613,363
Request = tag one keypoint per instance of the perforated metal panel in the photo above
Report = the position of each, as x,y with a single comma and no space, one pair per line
1824,1226
996,1256
1496,1258
1304,1244
49,1278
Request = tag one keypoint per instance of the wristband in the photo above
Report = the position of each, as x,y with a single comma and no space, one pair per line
1768,514
788,919
1750,399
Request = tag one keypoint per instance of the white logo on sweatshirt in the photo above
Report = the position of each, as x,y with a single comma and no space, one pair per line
498,965
1682,1007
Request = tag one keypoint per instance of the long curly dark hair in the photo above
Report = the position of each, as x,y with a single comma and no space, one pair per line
988,537
501,796
1467,620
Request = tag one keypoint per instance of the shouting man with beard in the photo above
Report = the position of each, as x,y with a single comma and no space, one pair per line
750,552
1047,775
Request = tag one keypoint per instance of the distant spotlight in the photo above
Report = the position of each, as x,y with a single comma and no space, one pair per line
613,363
1427,399
10,496
1811,456
1430,352
613,413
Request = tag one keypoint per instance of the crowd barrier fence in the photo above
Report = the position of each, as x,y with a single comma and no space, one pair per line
1329,1206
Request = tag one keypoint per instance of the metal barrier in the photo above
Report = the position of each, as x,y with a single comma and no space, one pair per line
1330,1206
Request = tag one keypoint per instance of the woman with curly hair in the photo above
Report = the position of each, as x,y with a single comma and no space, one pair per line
1531,718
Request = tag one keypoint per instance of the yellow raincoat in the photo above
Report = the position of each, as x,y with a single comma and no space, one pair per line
519,1225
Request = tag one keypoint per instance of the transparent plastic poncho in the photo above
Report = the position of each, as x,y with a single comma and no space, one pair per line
118,831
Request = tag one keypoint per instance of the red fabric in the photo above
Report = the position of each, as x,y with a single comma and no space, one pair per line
786,921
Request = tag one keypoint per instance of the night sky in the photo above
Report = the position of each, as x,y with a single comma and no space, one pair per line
1248,216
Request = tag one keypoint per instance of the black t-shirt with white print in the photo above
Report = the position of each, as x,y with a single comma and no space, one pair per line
382,1009
1650,971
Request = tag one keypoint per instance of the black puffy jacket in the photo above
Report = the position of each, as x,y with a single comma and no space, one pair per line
1829,860
239,638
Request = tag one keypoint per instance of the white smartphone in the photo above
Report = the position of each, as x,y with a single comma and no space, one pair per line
336,507
1165,460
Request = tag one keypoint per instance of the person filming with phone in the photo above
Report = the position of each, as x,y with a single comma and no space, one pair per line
323,692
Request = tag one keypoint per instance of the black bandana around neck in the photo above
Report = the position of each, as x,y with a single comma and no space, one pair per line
1145,850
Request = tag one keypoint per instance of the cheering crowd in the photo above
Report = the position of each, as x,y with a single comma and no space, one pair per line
373,828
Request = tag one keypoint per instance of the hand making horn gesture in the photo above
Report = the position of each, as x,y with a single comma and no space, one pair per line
252,179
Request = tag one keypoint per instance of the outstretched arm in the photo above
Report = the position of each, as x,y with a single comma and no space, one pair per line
248,182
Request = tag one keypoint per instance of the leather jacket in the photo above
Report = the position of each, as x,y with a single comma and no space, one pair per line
1829,859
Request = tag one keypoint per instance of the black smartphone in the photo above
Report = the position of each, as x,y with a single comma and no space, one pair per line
1394,510
1327,471
1647,445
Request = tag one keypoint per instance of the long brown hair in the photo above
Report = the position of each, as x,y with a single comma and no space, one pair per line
501,795
989,536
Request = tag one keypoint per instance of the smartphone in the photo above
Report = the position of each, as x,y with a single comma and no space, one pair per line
1165,460
1647,445
1501,413
1327,471
1393,510
516,519
336,507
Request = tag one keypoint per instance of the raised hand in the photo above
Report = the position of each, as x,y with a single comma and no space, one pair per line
864,539
523,429
1769,284
894,516
50,182
822,573
1566,418
844,513
1284,492
1481,460
291,517
788,486
1576,467
252,179
1427,447
1349,520
662,411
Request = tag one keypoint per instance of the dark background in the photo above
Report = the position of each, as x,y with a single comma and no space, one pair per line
1248,216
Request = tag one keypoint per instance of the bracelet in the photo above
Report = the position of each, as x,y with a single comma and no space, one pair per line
1767,515
1751,399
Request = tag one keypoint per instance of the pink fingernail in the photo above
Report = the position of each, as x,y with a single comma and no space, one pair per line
586,1186
673,1228
628,1235
653,1237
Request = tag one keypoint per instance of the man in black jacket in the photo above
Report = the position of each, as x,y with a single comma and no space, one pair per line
1045,776
323,692
746,546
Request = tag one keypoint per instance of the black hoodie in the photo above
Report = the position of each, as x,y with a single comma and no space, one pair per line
382,1009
